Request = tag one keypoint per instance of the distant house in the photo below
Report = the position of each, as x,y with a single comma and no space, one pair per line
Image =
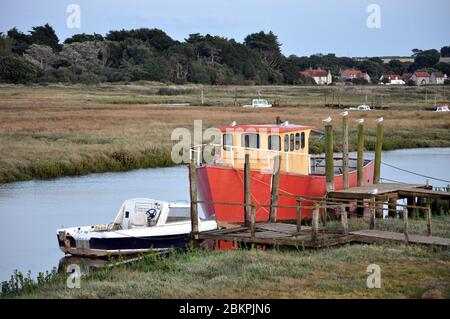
421,77
392,79
438,78
350,74
320,76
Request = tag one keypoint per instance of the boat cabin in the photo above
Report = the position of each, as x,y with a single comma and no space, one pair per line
263,143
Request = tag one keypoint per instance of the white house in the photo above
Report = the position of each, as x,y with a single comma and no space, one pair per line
421,77
319,76
438,78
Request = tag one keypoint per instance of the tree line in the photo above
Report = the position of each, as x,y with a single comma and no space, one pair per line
150,54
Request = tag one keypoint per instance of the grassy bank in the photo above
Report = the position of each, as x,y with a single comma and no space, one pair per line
53,131
339,272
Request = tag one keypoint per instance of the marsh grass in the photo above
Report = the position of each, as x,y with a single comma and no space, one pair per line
51,131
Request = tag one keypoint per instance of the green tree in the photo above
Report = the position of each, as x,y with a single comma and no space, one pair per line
427,58
16,69
45,35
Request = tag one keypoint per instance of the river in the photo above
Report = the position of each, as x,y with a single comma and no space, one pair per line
30,212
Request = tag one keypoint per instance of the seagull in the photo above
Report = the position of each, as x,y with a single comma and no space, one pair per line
379,120
345,113
233,123
327,120
360,121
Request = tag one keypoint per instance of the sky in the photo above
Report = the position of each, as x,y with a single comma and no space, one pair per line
304,27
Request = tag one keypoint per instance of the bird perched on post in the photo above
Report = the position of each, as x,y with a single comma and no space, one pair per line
379,120
327,120
343,114
360,121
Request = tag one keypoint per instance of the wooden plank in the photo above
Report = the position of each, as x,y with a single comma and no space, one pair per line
406,192
280,227
379,235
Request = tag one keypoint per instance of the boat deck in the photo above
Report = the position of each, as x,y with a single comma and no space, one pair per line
384,190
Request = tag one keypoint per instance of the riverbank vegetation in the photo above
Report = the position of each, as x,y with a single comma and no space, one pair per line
51,131
338,272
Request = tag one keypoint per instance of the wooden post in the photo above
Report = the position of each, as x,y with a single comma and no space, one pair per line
247,191
329,161
360,154
429,220
299,214
344,220
252,223
378,148
392,205
315,224
194,204
372,214
203,97
275,184
345,151
406,226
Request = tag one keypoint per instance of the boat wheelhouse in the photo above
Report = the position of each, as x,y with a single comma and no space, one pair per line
301,174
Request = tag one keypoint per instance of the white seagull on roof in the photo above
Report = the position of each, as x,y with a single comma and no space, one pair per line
360,121
345,113
379,120
327,120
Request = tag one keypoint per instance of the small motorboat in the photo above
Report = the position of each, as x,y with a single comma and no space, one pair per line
360,108
256,103
141,225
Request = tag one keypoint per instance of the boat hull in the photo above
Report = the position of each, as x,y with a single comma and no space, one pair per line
218,184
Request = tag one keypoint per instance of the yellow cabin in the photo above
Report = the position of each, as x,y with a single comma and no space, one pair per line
263,143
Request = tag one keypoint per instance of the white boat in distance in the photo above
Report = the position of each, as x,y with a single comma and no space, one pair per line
141,225
256,103
443,108
360,108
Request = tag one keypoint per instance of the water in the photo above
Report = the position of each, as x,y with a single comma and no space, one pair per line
30,212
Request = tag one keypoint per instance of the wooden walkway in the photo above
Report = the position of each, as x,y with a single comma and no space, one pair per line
380,190
371,235
282,234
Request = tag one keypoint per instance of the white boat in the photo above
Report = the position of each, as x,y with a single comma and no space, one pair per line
443,108
141,225
360,108
259,103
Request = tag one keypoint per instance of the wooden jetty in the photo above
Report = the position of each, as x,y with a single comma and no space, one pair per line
371,198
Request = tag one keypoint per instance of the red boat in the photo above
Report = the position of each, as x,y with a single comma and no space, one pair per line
300,173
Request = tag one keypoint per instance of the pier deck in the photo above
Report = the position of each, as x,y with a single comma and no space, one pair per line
384,190
282,234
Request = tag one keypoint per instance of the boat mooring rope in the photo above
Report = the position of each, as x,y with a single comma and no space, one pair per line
414,173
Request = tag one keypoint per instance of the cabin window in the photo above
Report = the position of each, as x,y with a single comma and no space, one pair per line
250,140
286,143
303,140
227,141
297,141
274,142
291,143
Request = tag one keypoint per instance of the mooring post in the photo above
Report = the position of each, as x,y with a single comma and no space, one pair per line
329,159
345,150
429,220
392,205
247,190
378,148
360,160
275,185
252,223
194,199
315,224
406,224
372,214
299,214
344,220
